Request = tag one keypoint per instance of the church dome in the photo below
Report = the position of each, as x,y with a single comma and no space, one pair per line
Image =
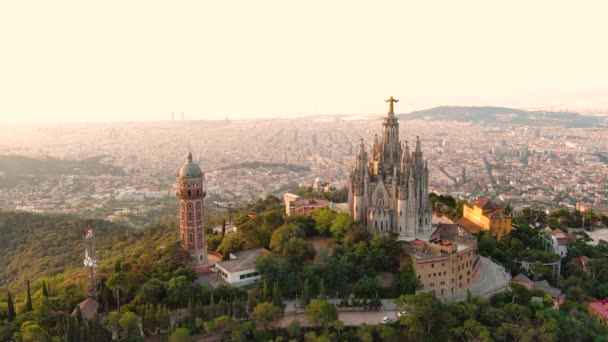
190,169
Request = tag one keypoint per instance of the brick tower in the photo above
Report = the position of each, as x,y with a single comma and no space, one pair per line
191,195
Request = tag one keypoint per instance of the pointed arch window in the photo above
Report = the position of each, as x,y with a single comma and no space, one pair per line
380,198
190,215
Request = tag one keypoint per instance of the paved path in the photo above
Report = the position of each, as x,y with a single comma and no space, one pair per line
349,318
292,306
491,278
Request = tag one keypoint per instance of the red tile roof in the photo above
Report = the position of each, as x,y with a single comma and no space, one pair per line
600,306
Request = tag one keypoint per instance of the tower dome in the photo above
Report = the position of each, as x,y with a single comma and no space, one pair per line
190,169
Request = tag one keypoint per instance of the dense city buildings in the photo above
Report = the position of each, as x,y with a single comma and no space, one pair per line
483,215
126,171
388,190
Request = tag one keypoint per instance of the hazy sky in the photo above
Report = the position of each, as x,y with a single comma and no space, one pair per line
142,60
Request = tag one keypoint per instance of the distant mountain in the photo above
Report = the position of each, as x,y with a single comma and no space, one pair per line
497,115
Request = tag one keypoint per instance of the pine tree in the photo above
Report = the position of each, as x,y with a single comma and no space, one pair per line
11,307
321,289
277,300
305,300
28,304
45,291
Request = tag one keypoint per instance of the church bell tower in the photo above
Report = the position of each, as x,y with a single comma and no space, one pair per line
191,196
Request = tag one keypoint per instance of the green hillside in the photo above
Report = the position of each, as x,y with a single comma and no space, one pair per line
15,169
36,245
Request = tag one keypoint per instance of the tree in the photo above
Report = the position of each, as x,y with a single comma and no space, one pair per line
365,333
321,289
297,251
321,312
424,308
305,299
191,314
113,322
151,292
408,283
283,234
10,307
45,291
232,243
162,317
277,300
180,335
118,282
340,226
129,324
324,218
28,304
471,330
32,332
293,329
221,325
266,314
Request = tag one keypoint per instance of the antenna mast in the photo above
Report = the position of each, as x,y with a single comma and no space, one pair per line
90,262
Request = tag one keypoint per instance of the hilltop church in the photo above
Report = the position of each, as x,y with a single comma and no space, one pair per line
388,188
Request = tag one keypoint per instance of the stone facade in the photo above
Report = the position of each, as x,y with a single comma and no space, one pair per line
388,188
447,263
191,196
485,215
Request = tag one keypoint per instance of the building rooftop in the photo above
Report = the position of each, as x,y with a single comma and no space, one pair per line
242,261
600,306
88,308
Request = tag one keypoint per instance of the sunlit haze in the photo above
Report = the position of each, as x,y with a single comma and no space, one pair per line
141,60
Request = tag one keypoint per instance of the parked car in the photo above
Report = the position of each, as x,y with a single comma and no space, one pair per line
386,320
401,313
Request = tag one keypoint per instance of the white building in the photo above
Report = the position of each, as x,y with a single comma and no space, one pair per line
240,269
560,241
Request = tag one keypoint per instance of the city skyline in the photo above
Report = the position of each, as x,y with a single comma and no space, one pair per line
74,62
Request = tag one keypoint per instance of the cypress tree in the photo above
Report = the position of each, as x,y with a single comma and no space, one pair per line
305,300
11,307
277,300
45,291
251,301
191,314
321,289
78,315
28,304
69,330
76,326
265,293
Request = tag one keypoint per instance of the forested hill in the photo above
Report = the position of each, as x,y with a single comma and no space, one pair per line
36,245
18,168
503,115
